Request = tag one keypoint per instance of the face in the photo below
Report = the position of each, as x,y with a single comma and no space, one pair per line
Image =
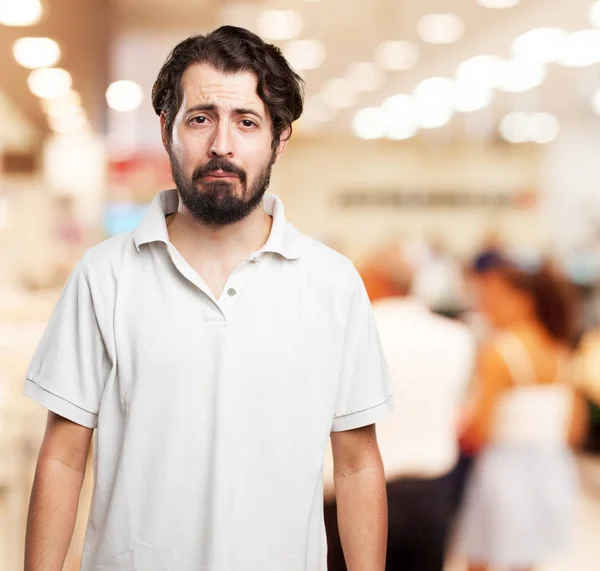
221,149
501,302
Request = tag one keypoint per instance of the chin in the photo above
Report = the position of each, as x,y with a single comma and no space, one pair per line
218,187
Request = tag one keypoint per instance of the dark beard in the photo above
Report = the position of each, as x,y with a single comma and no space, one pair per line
216,203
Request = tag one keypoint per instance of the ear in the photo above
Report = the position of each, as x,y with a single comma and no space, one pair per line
163,131
283,141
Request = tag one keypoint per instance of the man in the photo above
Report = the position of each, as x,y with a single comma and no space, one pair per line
213,350
430,359
438,280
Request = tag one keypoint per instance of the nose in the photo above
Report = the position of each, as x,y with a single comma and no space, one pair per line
222,144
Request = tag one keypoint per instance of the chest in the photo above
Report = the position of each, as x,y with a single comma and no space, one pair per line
216,276
270,355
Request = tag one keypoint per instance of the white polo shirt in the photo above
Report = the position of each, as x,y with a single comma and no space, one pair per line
212,416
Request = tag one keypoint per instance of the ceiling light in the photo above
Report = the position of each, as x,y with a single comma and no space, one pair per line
72,98
49,82
398,105
402,131
20,12
469,97
434,118
523,128
305,54
514,127
581,49
400,117
441,28
63,105
369,123
498,4
365,76
594,14
541,45
480,71
124,95
339,93
33,53
543,128
397,56
434,101
280,24
435,92
69,125
518,76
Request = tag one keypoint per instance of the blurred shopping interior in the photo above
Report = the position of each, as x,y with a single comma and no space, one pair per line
446,123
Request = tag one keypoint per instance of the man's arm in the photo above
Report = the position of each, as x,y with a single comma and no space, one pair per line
55,495
361,498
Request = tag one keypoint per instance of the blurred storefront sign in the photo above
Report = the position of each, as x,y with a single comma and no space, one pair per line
524,200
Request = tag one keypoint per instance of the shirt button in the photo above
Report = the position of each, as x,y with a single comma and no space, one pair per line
231,292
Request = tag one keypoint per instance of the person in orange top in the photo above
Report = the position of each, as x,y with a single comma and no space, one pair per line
376,274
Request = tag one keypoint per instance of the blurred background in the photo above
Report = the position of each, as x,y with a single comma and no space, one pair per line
453,125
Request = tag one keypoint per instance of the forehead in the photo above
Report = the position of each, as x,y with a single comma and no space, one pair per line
202,83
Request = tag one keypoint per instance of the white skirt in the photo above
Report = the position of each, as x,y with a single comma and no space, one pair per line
519,506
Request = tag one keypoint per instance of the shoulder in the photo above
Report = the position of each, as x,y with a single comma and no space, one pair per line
108,256
326,263
492,364
455,337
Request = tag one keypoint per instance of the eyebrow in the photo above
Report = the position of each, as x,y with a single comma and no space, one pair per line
213,107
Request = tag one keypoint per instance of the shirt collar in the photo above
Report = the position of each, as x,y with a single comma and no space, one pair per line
284,238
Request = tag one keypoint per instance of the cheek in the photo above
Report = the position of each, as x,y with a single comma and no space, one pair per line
254,150
491,302
487,305
187,154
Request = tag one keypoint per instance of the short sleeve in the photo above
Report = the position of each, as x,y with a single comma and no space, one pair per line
364,394
70,365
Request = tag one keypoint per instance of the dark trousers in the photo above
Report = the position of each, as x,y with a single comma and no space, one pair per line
419,518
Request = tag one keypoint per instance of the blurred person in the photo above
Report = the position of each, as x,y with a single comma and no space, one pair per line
214,351
519,502
430,358
485,259
438,280
375,275
493,242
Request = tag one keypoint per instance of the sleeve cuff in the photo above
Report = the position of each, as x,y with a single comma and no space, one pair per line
59,405
363,417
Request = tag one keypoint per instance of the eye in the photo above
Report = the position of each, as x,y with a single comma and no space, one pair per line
248,123
199,120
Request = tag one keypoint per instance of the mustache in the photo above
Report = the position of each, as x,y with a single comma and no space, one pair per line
216,164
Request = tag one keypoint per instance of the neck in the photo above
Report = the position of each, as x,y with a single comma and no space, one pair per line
219,242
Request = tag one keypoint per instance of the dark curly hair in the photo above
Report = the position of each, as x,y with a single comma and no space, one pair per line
555,297
230,49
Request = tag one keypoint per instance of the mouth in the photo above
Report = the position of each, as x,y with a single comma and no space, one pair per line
219,175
